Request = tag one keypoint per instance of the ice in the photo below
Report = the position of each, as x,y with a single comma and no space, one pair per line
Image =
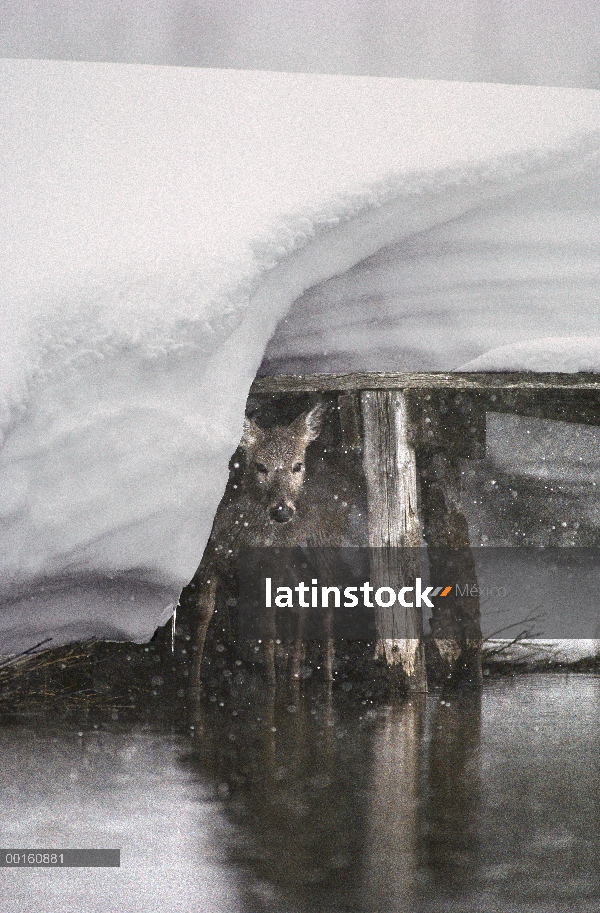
158,225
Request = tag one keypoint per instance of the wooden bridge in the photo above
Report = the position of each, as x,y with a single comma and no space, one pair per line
412,430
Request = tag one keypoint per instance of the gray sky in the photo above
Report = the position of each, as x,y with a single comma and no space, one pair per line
516,41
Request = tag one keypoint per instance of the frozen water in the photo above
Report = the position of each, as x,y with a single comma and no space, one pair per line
158,225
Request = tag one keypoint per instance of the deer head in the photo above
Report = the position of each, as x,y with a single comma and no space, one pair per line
275,461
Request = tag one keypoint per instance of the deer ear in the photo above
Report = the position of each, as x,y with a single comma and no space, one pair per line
250,435
312,421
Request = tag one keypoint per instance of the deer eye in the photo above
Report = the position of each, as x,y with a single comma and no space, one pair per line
297,467
260,467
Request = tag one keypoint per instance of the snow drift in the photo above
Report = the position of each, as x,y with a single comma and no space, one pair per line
159,224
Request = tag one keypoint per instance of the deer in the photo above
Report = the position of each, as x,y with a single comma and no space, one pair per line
274,505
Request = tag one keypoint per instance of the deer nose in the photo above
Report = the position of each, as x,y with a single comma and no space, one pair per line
282,513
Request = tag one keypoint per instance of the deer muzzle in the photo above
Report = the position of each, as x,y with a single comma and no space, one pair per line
282,512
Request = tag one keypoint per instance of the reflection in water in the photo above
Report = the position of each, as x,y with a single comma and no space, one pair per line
452,806
461,801
454,802
390,878
295,771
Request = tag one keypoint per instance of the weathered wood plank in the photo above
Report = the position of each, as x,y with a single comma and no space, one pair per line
315,383
391,475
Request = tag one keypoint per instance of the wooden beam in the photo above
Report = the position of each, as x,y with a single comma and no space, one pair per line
394,535
322,383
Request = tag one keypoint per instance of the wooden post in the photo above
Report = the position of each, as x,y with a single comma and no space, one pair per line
455,623
448,427
390,471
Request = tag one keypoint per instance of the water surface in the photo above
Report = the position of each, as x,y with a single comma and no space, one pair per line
462,801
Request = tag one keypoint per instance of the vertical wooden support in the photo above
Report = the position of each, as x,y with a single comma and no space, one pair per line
455,623
391,474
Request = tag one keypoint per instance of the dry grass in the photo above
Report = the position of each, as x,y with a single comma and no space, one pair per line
79,677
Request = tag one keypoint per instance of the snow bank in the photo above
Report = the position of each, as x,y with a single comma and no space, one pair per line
158,225
508,283
566,354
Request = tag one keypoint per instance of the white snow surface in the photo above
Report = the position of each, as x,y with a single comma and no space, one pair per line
158,224
569,355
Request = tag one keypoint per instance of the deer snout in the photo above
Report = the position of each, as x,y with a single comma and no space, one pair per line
282,512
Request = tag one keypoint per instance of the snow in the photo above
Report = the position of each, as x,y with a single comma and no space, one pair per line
158,225
568,354
512,270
